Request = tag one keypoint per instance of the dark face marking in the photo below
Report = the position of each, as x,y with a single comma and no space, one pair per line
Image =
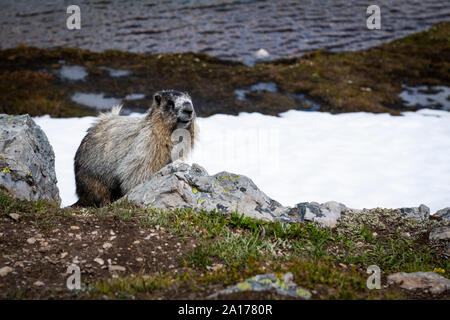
177,106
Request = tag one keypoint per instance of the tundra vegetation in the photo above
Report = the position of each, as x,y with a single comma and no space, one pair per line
368,80
128,252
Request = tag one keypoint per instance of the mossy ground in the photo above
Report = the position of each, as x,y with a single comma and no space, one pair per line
183,254
367,80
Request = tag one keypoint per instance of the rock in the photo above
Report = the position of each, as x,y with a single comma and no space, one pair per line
179,185
326,214
14,216
27,160
262,54
428,281
416,213
440,233
5,270
39,284
443,214
107,245
112,268
100,261
267,282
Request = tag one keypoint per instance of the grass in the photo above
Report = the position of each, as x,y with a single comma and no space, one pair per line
368,80
229,249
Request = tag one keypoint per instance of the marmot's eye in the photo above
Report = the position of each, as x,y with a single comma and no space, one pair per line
170,104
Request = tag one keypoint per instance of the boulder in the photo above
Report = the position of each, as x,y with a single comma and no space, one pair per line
420,213
426,281
325,214
27,160
179,185
443,214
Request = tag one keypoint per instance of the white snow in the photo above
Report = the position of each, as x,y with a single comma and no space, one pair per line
95,100
360,159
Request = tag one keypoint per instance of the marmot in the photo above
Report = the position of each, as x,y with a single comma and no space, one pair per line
119,153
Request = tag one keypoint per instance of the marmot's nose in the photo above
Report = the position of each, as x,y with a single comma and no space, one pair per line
187,108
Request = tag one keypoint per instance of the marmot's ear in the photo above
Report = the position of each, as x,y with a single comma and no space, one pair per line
157,98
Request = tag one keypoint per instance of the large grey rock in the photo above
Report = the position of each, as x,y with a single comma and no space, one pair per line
27,161
420,213
443,214
179,185
325,214
426,281
267,282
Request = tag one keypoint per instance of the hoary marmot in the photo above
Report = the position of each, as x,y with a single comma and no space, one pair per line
119,153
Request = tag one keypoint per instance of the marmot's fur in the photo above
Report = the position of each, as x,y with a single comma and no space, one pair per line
119,153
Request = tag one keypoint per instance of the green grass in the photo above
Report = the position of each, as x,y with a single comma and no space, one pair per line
331,261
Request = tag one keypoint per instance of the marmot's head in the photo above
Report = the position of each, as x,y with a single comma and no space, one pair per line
175,108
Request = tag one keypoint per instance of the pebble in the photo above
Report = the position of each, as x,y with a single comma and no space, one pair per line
14,216
116,268
107,245
100,261
38,284
74,227
5,270
31,240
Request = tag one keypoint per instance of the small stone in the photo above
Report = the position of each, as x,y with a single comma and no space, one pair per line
100,261
14,216
116,268
139,259
63,255
31,240
136,242
74,228
38,284
5,270
107,245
